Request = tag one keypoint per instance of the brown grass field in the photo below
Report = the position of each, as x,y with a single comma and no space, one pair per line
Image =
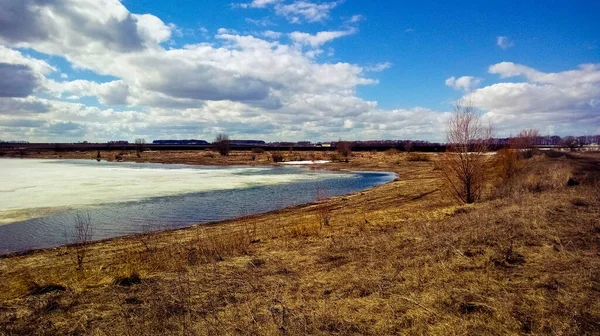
401,258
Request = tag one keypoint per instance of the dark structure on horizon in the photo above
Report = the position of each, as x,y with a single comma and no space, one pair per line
180,142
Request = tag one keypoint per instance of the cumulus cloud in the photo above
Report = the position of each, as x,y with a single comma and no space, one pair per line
70,25
23,106
299,11
317,40
464,83
564,102
504,42
16,80
197,72
240,84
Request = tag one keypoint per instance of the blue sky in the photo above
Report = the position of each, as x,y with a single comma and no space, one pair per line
294,70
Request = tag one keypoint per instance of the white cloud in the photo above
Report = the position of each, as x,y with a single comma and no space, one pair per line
317,40
504,42
355,19
258,3
241,84
464,83
379,67
300,11
272,34
11,56
264,22
564,102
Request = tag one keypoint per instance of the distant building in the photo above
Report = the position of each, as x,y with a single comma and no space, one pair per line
180,142
247,142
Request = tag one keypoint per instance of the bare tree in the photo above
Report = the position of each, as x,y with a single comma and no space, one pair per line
464,166
221,144
571,142
140,145
344,148
83,232
525,142
408,146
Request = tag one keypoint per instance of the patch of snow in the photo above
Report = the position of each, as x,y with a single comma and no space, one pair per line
306,162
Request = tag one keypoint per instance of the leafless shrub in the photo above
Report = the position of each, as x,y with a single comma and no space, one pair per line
83,232
507,163
222,144
464,164
571,142
140,146
344,148
323,211
258,150
541,178
277,156
525,142
392,151
314,156
417,157
209,153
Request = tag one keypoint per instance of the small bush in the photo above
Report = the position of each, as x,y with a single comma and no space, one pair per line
392,151
36,289
335,157
128,281
540,177
344,148
315,156
277,157
258,150
417,157
222,144
507,163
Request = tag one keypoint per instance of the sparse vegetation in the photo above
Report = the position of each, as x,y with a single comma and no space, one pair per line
396,259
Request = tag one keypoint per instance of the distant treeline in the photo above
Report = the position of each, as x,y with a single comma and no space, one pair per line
379,145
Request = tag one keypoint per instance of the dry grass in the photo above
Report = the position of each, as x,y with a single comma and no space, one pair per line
396,259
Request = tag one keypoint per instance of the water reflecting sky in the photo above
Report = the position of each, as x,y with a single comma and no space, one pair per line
40,198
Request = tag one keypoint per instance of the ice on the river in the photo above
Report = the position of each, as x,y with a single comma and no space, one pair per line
35,184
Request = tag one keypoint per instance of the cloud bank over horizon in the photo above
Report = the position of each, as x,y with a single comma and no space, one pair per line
92,70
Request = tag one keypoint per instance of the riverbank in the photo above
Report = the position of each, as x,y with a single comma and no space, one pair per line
398,258
360,160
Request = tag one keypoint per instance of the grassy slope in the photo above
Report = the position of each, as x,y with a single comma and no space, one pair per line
399,258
